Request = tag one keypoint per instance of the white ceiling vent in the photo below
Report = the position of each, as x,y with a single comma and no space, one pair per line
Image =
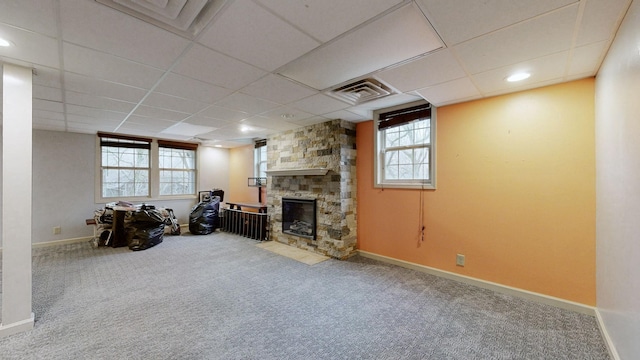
361,91
182,17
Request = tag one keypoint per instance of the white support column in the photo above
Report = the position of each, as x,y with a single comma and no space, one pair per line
17,315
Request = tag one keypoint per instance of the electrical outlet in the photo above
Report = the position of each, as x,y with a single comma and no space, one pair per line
57,230
459,260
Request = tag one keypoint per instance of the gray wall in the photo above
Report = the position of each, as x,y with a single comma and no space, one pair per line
64,181
618,188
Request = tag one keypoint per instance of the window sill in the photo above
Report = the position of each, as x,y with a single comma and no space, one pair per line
405,186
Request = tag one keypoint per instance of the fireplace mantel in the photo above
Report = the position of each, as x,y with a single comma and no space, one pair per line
296,172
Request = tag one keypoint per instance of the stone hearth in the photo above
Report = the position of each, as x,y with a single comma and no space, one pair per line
329,145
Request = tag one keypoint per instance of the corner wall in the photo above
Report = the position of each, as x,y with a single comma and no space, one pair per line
618,188
515,194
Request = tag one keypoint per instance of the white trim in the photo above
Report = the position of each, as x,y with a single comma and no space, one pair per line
530,295
378,182
17,327
613,353
59,242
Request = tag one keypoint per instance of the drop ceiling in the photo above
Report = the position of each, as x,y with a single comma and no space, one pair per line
244,69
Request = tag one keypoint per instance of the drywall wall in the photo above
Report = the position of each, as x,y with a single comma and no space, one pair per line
240,169
515,194
618,188
64,180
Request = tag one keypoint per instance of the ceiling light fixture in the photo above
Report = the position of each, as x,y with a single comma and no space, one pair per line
287,116
4,42
518,77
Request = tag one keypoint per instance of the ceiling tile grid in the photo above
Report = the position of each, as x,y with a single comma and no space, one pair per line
258,67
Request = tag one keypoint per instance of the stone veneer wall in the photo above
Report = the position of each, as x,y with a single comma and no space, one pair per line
330,145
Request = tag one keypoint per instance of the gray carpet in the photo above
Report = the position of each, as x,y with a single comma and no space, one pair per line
221,297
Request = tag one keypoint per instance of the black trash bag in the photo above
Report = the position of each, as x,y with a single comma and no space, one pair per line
145,229
204,219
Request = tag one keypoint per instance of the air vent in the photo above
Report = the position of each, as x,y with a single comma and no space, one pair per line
361,91
182,17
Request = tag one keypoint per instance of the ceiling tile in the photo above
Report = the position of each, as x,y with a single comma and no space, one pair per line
84,84
270,123
95,113
31,49
96,26
206,121
450,91
460,20
46,76
319,104
106,67
538,37
525,87
587,59
248,32
385,102
187,129
597,19
347,116
152,123
47,93
277,89
246,103
34,15
439,67
217,112
311,121
399,36
285,113
174,103
326,19
185,87
99,102
218,69
541,69
158,113
55,106
52,115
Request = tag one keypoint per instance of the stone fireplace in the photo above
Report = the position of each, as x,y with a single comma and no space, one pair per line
315,163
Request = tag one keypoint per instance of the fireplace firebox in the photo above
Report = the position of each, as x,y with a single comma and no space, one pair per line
299,217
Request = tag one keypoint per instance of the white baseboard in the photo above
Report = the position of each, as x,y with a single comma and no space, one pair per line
613,353
61,242
530,295
17,327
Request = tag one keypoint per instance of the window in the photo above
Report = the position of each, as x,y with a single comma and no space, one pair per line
177,162
405,146
135,167
125,166
260,159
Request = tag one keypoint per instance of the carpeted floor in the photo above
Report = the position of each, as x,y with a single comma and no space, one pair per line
220,296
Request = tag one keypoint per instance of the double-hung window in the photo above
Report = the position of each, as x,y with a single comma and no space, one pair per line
135,168
404,141
260,159
125,165
177,162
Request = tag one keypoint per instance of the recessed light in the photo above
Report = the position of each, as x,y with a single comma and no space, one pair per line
4,42
518,77
287,116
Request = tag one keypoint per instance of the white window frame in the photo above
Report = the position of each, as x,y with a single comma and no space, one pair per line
259,160
192,171
154,177
379,153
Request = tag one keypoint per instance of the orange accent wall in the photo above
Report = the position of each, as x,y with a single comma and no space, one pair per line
240,169
515,194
